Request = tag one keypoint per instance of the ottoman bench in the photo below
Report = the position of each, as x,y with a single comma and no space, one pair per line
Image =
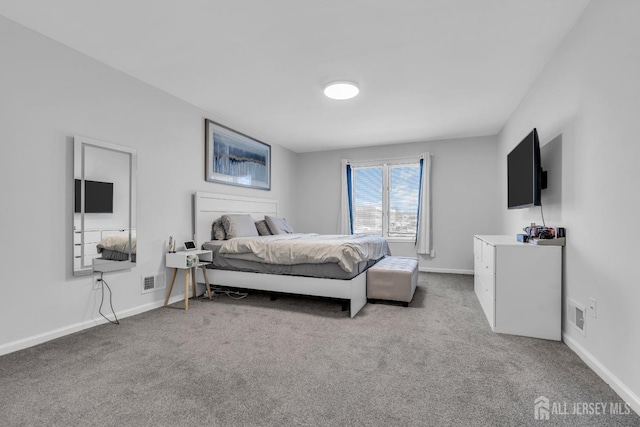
393,278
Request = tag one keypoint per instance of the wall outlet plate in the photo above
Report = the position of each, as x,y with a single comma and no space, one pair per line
593,308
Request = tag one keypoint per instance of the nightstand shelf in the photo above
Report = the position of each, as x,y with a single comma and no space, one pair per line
178,261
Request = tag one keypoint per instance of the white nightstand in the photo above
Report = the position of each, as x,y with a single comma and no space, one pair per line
178,260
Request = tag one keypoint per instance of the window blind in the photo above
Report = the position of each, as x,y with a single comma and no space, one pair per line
367,195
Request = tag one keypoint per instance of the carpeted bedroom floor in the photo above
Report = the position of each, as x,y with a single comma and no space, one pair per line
302,361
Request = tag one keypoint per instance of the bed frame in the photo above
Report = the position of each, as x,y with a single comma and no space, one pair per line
207,207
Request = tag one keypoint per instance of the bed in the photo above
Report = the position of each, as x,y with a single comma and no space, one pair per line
117,248
345,284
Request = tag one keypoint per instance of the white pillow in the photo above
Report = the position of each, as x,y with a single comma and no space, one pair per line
278,225
239,225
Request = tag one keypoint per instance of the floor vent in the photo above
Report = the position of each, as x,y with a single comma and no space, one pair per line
576,316
153,283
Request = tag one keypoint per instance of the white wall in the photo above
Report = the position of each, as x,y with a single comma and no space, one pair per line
464,195
586,106
49,93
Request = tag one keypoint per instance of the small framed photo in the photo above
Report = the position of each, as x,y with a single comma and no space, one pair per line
236,159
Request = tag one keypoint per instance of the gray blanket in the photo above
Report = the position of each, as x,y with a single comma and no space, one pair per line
289,249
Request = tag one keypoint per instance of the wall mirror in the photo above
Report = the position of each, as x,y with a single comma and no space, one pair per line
104,211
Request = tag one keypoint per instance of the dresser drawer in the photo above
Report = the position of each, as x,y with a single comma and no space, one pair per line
488,258
486,301
488,283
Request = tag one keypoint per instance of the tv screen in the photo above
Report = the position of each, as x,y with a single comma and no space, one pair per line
524,173
98,197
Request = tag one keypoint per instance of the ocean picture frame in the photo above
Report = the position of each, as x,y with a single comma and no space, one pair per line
236,159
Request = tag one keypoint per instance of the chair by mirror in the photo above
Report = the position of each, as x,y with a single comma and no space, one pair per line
104,213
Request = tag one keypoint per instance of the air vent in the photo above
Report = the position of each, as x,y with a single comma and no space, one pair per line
576,316
153,283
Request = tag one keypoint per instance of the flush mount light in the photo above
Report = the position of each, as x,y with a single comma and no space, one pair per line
341,90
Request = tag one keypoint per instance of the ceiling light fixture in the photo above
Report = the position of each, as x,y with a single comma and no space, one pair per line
341,90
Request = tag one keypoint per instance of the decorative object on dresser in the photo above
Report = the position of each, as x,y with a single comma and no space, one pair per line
236,159
189,261
558,241
519,286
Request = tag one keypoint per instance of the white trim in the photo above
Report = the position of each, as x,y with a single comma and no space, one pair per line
616,384
386,168
445,270
410,240
388,161
68,330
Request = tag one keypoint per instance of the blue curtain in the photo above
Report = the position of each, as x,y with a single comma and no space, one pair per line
350,195
423,241
419,199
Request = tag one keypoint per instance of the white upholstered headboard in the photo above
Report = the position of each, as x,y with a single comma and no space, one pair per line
207,207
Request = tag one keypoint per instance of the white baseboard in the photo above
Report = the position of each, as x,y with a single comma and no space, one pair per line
57,333
444,270
618,386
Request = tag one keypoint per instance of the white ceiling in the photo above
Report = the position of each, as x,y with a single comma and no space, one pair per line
427,69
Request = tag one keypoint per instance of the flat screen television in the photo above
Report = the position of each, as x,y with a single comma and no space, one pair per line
98,197
525,177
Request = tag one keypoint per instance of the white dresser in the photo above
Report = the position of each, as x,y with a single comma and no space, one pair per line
519,286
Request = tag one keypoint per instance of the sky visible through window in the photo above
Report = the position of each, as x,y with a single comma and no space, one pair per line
404,187
402,209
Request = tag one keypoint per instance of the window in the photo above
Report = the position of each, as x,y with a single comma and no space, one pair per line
385,199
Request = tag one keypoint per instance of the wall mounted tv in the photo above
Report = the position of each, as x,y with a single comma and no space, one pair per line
525,177
98,197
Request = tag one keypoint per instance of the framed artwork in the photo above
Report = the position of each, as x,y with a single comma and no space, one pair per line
236,159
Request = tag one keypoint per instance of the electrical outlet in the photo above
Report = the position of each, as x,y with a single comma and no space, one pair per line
97,283
593,308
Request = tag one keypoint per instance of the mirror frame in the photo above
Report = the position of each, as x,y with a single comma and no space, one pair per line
98,265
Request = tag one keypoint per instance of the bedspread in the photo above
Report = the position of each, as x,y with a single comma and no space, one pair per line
117,243
289,249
